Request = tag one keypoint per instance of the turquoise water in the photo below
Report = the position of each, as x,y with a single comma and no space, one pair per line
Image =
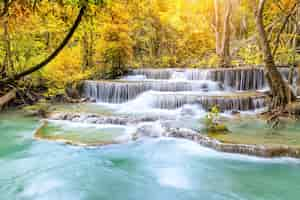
85,134
145,169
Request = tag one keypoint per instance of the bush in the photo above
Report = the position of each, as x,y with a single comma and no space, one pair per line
212,121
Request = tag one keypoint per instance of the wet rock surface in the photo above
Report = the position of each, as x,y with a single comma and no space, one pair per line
150,127
184,94
100,119
253,150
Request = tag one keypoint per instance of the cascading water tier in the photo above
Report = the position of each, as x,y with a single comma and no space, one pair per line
229,89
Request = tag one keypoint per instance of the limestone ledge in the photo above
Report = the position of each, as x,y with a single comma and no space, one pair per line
204,140
99,119
253,150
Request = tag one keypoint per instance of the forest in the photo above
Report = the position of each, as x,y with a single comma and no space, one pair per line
113,36
155,97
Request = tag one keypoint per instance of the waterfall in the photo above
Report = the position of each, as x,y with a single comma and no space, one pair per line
225,103
175,88
235,78
154,73
119,92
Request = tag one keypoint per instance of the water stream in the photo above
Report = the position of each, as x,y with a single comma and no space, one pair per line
147,168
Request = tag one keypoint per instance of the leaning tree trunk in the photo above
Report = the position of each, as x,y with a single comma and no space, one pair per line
7,98
281,92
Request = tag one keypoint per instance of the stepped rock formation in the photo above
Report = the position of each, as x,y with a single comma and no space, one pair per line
236,78
120,92
226,102
174,88
100,119
155,101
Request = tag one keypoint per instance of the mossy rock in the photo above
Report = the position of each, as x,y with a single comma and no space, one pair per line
40,109
218,129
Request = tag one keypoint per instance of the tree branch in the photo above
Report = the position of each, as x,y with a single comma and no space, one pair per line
285,22
54,54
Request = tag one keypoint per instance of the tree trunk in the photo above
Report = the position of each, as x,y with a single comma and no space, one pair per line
7,98
91,48
225,59
7,62
298,79
218,27
85,51
5,9
293,63
281,93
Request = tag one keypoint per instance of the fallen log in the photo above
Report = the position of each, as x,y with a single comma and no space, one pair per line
7,98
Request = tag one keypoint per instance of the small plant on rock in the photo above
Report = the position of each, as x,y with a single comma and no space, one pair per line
212,121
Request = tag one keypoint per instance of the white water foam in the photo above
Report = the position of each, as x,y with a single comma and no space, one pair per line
134,78
196,149
145,104
128,130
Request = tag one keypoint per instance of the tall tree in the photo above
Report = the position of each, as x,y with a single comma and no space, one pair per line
225,51
218,27
223,38
281,92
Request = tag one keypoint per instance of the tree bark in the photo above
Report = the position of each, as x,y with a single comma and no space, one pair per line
7,98
5,8
225,59
281,93
54,54
85,51
298,79
218,27
8,63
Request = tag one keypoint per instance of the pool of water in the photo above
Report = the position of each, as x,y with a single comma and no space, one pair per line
251,130
82,108
83,133
145,169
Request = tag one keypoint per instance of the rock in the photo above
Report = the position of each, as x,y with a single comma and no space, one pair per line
99,119
180,133
150,130
40,109
254,150
235,112
294,108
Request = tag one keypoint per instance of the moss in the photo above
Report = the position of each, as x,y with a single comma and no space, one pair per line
218,129
39,109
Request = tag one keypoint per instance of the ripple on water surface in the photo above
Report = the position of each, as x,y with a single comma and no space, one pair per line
145,169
